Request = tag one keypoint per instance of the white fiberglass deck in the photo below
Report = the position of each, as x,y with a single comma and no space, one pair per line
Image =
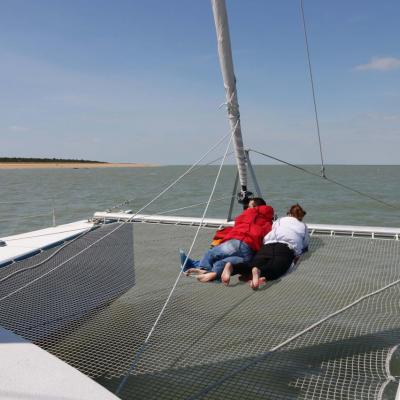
28,372
22,245
352,230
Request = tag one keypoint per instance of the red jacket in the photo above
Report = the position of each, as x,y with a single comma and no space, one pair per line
251,226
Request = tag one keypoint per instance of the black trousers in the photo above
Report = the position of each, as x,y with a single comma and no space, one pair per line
273,260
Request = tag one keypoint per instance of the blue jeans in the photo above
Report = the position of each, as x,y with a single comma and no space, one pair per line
234,251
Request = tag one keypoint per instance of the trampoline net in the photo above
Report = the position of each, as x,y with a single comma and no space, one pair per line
213,342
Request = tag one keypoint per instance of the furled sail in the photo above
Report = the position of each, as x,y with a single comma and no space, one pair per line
226,63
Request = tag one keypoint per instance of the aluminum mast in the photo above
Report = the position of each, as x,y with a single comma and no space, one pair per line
226,63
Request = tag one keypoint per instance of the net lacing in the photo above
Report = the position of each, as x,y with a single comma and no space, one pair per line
96,310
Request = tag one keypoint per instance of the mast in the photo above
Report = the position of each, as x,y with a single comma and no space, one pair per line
226,63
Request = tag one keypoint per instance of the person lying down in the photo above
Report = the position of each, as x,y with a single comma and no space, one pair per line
238,245
288,239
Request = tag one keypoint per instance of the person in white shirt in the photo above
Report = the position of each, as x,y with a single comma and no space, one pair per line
282,246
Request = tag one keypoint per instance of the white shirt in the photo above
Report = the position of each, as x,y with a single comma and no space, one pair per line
291,231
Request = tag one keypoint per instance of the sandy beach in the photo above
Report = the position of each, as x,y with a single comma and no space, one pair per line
60,165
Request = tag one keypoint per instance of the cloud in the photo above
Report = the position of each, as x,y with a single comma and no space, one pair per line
382,117
18,128
380,64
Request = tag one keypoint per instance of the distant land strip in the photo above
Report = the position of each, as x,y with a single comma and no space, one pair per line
61,163
45,160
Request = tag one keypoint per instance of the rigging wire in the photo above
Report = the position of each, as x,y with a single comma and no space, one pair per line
144,344
194,205
213,161
43,261
128,201
123,223
329,180
121,204
262,357
188,172
312,88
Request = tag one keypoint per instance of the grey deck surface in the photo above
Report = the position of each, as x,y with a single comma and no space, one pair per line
213,341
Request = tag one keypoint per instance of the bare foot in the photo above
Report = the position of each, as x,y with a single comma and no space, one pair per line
261,281
207,277
255,281
195,271
226,274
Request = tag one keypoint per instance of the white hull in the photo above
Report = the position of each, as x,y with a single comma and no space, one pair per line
28,372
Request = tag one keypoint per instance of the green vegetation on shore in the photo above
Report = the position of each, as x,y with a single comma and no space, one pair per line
45,160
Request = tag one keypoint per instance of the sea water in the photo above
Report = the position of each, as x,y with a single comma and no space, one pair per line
28,197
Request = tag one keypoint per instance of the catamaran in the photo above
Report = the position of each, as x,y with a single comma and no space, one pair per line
97,309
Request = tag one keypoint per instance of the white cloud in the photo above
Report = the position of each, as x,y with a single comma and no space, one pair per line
18,128
380,64
393,117
382,117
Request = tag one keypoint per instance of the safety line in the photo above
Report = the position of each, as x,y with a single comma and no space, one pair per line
194,205
128,201
312,88
45,260
46,273
144,344
328,179
120,225
209,388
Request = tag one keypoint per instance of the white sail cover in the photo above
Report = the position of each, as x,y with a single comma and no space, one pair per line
226,62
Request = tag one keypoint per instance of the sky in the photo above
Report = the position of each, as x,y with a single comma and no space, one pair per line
139,81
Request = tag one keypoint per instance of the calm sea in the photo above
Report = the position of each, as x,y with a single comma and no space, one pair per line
28,196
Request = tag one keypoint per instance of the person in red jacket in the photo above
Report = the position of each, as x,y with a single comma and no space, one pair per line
237,246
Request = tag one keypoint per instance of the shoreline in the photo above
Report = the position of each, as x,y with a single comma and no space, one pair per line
72,165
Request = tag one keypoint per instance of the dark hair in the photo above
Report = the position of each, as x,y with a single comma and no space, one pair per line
258,201
297,211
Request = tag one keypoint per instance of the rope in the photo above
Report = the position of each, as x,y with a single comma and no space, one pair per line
389,377
48,272
123,203
142,348
312,88
45,260
329,180
178,179
194,205
213,161
119,226
126,202
119,205
291,339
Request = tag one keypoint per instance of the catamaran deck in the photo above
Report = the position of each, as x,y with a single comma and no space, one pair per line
212,341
